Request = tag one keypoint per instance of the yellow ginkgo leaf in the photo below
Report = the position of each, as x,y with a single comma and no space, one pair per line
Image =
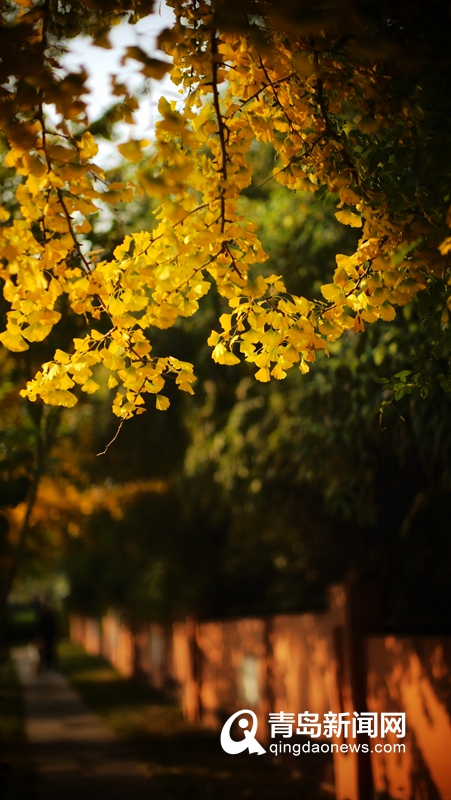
331,292
60,397
263,375
162,403
132,150
13,341
349,218
90,387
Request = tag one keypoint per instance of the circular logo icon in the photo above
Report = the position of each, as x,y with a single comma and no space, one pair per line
249,742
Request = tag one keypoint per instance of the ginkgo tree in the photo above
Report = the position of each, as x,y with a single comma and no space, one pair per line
352,97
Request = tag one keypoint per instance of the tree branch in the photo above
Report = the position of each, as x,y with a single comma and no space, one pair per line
221,125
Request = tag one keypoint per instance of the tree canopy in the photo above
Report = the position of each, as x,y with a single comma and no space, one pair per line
354,101
274,490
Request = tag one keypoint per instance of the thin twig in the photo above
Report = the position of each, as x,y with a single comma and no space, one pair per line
85,262
221,126
277,99
113,439
180,222
265,86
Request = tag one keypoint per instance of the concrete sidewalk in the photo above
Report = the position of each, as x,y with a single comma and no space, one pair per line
75,754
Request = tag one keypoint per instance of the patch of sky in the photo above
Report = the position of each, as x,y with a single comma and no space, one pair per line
101,64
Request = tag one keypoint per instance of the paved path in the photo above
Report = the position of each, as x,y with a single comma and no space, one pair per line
75,754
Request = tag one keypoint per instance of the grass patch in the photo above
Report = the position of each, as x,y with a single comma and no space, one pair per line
16,776
184,761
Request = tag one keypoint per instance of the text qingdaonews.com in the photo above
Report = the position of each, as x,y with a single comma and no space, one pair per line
279,748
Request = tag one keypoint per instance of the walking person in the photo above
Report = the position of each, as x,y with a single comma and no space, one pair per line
46,636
